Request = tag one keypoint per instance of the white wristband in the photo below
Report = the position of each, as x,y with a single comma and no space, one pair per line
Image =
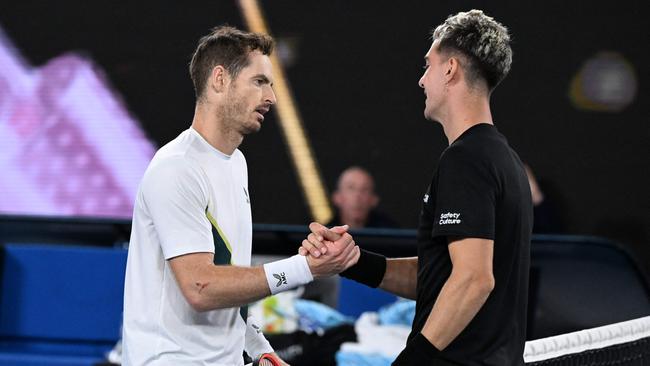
287,273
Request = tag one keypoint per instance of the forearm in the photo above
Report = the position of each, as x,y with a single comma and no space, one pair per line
458,302
227,286
401,277
208,287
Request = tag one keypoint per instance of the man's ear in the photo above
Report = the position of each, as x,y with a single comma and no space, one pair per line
219,79
452,69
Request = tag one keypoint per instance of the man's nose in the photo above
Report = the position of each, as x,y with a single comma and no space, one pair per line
270,97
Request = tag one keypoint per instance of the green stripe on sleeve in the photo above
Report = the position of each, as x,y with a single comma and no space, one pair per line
222,248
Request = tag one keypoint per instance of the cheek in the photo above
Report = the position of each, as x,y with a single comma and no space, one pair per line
432,87
253,97
426,82
243,102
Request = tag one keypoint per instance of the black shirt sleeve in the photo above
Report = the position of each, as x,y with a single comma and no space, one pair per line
466,192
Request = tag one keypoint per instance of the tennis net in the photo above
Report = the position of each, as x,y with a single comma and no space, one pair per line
620,344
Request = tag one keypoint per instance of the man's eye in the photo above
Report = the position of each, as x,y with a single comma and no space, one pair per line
425,67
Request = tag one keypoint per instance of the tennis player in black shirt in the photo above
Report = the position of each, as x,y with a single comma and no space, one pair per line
470,278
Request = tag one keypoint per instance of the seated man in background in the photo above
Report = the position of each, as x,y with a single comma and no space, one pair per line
356,200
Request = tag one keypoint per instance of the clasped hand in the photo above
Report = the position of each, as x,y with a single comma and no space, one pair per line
329,251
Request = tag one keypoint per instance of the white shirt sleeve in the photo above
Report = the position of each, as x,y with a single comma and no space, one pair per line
256,344
176,196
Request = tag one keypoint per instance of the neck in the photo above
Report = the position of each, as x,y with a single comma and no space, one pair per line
463,112
208,123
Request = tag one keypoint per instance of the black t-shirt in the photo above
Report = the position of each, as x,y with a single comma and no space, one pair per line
480,190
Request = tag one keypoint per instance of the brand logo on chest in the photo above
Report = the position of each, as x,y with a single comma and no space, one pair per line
450,218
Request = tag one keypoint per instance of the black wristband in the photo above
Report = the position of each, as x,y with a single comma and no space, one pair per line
369,270
419,351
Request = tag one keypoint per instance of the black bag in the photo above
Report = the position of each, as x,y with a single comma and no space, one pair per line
311,349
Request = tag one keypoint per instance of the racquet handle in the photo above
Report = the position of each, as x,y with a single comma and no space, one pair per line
267,359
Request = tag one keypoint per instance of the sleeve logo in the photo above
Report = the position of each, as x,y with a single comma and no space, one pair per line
450,218
248,200
282,279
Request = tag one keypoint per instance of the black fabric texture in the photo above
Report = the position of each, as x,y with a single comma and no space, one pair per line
311,349
369,269
418,351
479,190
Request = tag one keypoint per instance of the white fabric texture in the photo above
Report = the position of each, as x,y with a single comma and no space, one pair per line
256,343
191,198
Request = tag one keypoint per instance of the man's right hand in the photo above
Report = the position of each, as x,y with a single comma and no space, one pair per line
331,251
321,238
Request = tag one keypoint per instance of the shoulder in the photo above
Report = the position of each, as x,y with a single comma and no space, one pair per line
173,165
462,153
239,157
173,171
468,161
483,146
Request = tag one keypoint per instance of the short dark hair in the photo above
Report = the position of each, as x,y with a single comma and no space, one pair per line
483,41
226,46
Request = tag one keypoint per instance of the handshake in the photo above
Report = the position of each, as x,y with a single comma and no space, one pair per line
329,251
325,252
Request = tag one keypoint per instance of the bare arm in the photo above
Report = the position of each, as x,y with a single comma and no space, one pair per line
401,277
206,286
465,291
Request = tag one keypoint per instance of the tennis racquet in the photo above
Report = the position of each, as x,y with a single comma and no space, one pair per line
267,359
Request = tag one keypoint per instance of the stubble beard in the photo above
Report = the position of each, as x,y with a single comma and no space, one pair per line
236,116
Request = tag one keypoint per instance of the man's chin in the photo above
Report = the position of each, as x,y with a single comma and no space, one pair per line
430,117
251,128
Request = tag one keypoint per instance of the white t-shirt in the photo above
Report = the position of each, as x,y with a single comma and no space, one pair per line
193,198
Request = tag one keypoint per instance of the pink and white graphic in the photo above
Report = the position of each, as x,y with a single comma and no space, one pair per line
68,146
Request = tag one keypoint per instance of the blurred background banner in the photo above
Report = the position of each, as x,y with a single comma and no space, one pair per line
69,146
89,90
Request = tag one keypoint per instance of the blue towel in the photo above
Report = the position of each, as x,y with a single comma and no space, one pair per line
401,312
362,359
316,316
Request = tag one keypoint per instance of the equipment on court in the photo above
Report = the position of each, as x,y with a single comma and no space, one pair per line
621,344
267,359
